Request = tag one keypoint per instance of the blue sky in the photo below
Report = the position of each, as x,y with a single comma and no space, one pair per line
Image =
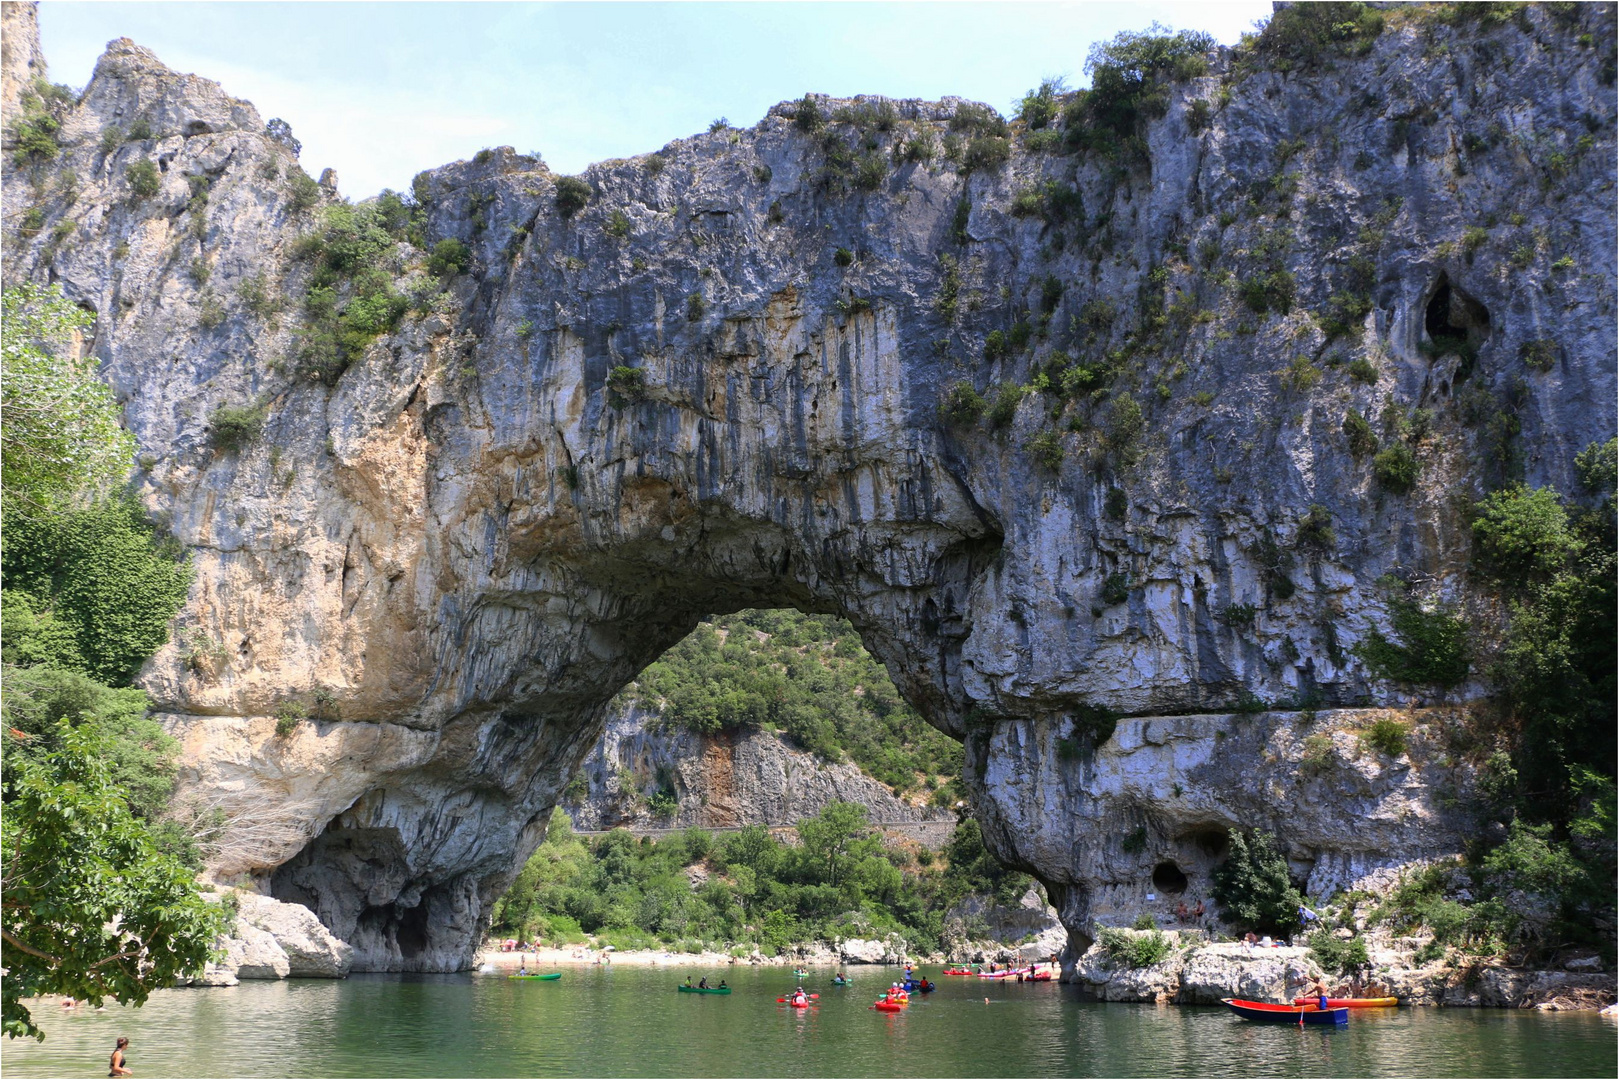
380,91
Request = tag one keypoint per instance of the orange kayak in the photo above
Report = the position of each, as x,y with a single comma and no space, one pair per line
1352,1003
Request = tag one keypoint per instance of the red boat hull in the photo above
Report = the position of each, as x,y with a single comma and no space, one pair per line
1352,1003
1266,1013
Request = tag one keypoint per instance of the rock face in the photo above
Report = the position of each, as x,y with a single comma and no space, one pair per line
457,550
739,777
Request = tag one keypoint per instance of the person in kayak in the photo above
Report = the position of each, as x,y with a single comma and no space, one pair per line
702,984
522,969
799,997
722,985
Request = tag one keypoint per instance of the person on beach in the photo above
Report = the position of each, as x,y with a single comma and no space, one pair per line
118,1064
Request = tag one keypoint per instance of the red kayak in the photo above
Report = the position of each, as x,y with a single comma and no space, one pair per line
889,1006
1352,1003
958,971
1266,1013
1039,976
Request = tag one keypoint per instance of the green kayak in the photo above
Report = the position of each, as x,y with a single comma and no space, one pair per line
555,975
704,989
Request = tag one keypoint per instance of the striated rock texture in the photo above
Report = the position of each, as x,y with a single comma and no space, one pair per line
738,777
455,551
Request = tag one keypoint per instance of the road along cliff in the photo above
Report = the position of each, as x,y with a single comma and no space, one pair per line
1116,435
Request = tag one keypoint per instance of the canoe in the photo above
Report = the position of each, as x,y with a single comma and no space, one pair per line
553,977
1266,1013
1352,1003
704,989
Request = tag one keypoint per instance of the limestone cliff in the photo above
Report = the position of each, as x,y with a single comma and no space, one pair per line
456,548
739,777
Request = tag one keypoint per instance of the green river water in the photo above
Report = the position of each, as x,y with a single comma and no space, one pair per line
630,1022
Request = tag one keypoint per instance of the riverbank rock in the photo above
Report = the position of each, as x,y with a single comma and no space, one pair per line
271,939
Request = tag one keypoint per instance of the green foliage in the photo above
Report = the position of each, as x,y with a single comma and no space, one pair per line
233,427
1396,468
1004,408
1268,291
1310,37
1521,535
1039,106
139,755
1315,529
1358,430
962,405
838,881
450,257
1434,649
1253,888
143,179
1130,80
1387,736
33,138
1134,950
93,909
808,676
1115,589
625,385
1046,448
100,587
807,117
1126,422
62,433
959,220
618,225
351,299
1598,467
843,257
696,307
1345,957
573,194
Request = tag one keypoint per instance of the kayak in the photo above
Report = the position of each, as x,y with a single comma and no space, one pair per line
840,982
798,1004
957,971
800,974
1039,976
704,989
1352,1003
553,977
1266,1013
889,1006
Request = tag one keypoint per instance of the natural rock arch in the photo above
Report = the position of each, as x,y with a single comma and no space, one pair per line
463,544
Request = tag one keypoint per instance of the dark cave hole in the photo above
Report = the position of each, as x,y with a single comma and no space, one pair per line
1168,878
1212,840
1454,321
412,930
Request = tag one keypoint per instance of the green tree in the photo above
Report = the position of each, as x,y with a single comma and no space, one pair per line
835,839
100,589
1253,888
61,437
1522,534
91,908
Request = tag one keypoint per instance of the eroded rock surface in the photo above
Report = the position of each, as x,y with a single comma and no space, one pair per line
737,777
463,546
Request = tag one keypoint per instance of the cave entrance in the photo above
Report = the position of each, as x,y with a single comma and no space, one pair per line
1453,320
1168,879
